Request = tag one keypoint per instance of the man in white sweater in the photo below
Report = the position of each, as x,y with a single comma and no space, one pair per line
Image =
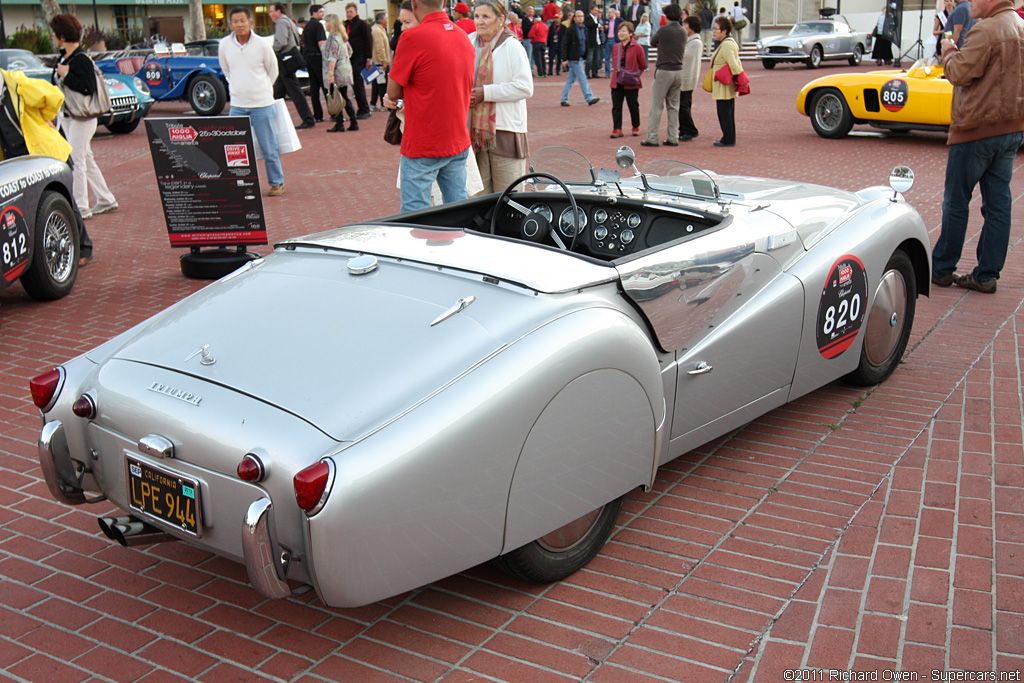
250,66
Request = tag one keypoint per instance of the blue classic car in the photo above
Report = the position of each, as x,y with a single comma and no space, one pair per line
129,96
188,72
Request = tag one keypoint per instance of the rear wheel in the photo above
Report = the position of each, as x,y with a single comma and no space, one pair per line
889,322
858,54
55,250
830,115
814,59
207,95
768,63
558,554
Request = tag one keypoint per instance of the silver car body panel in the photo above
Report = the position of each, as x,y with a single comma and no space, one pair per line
471,393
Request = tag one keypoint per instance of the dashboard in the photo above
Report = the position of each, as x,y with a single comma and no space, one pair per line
609,227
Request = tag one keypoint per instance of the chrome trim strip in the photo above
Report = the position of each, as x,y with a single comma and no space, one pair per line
55,461
259,546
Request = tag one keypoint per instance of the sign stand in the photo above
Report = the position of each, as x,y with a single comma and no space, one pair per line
210,190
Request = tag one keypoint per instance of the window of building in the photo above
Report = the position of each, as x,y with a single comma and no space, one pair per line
129,19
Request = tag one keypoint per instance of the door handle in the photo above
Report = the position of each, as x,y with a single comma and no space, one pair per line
701,369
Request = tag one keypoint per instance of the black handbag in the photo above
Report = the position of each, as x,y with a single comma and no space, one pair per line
393,129
291,61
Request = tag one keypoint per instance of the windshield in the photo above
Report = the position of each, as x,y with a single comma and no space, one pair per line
19,60
568,165
805,28
680,178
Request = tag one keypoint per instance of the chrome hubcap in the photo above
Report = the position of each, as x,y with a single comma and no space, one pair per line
887,312
58,249
570,535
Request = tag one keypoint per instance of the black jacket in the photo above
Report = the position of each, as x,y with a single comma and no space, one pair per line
571,49
311,37
360,38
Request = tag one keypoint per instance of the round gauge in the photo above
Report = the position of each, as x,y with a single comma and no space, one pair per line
626,236
543,210
567,226
600,232
600,216
633,221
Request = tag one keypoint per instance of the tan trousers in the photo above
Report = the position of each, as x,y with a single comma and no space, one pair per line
498,172
665,91
86,172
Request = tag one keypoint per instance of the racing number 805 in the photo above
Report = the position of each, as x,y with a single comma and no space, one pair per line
894,97
847,311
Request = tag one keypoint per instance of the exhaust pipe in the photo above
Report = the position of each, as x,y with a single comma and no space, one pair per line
128,530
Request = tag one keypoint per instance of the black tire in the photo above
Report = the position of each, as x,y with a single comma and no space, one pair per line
564,551
889,322
55,250
207,95
768,63
814,59
214,264
858,54
123,127
830,114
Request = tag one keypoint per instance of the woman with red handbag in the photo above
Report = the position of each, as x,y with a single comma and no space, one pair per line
628,62
725,65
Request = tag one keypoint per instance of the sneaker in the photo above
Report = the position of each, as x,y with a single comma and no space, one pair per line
648,143
636,132
86,215
970,282
616,133
102,208
591,103
943,280
565,104
276,190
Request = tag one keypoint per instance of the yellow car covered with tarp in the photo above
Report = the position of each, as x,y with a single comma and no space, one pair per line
918,98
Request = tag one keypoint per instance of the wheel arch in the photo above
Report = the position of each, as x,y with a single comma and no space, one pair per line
921,260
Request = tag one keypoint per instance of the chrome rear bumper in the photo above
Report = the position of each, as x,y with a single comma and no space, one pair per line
265,561
58,469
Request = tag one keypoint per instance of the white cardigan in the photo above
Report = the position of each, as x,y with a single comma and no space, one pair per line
250,70
513,85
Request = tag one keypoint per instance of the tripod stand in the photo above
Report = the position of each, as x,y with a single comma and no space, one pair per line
917,44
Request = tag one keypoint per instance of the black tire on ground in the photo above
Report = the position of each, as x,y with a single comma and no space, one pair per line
830,114
123,127
214,264
768,63
858,54
564,551
54,266
207,95
889,322
814,59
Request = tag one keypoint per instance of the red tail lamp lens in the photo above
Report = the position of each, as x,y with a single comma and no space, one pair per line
84,407
44,388
311,485
250,469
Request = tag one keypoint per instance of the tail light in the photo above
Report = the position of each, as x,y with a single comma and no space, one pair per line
313,485
251,468
45,388
85,407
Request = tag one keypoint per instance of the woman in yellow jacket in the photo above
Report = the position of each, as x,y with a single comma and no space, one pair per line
727,53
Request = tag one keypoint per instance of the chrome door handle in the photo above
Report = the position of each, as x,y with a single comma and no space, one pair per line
701,369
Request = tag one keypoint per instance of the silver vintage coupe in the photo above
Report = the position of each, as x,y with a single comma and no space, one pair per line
812,42
373,408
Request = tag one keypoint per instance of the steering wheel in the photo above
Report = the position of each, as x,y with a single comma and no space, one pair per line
534,225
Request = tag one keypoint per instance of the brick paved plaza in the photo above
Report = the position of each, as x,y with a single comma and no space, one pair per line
876,531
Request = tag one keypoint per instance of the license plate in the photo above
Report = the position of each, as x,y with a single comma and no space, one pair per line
164,495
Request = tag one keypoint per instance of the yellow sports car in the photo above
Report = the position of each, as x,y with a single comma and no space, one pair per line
916,99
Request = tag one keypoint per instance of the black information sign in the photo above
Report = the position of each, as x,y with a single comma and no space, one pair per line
841,310
209,183
894,95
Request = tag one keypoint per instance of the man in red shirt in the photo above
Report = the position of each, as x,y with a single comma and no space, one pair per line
462,18
433,71
550,9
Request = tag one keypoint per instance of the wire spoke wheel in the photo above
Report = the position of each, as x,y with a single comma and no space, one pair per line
58,247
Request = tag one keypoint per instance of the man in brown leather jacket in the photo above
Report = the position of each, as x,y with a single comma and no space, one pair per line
984,134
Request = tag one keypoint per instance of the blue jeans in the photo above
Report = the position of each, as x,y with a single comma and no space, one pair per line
528,46
419,173
262,119
609,44
988,162
577,73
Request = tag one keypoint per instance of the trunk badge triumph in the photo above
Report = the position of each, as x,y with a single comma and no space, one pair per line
205,357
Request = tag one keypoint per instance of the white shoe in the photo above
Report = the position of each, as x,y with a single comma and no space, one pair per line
103,208
86,215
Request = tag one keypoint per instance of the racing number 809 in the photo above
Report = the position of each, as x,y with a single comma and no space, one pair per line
847,311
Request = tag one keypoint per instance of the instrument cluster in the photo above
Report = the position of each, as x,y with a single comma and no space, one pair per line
612,230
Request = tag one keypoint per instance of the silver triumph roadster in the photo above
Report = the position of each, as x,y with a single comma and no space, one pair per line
375,407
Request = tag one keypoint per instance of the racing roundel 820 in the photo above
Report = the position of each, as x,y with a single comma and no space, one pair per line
894,95
841,311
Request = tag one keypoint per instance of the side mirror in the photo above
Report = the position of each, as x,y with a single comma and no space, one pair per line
625,157
901,180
